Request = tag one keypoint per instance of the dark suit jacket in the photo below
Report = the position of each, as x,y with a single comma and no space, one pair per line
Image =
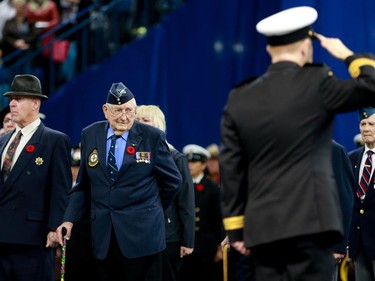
343,172
35,195
275,159
209,231
132,205
180,215
363,225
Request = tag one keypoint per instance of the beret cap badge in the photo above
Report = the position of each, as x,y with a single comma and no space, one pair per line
366,112
119,94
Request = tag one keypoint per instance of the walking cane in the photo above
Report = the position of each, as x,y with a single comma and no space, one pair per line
226,249
344,269
63,255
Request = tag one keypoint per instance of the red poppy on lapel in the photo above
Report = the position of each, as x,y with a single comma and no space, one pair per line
199,187
30,148
130,150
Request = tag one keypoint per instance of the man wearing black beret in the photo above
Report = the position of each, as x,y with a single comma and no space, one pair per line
130,176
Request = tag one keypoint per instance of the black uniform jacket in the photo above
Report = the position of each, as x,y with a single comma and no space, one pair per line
275,158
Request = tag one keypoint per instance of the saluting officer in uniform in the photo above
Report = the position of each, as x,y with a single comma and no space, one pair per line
279,196
201,265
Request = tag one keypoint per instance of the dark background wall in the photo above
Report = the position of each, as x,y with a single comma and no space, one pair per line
188,63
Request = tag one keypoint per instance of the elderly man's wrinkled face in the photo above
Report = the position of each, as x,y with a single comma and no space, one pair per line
121,117
367,129
24,109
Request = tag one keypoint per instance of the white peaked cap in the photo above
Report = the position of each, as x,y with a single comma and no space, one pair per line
289,25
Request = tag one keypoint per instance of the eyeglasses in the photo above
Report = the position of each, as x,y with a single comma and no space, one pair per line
117,111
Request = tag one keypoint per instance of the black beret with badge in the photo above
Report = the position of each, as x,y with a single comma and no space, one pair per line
365,112
288,26
119,94
195,153
25,85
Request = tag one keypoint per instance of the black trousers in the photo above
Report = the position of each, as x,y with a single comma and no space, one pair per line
116,267
306,258
172,261
25,263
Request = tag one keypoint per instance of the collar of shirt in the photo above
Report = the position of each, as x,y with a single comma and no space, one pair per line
27,133
364,157
110,132
198,178
28,130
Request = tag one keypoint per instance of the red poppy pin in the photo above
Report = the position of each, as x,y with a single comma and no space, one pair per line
30,148
199,187
130,150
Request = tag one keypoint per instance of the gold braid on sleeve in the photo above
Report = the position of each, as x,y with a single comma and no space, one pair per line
233,223
354,67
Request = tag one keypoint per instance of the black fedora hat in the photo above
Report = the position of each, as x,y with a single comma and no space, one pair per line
25,85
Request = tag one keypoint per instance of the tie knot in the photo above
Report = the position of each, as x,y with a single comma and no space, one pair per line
114,137
370,153
19,134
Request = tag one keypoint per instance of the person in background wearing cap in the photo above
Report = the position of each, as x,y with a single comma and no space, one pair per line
213,169
361,236
128,196
8,124
34,190
279,199
180,216
203,263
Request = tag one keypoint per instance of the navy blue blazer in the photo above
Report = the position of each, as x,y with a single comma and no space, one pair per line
180,215
35,195
133,205
363,216
343,172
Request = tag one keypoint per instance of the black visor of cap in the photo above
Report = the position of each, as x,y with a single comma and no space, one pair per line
291,37
194,157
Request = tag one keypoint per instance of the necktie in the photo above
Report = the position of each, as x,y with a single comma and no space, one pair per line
7,165
366,175
111,162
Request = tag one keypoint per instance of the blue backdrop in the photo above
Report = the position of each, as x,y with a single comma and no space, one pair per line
188,63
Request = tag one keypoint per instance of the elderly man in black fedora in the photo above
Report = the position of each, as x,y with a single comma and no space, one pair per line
35,181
